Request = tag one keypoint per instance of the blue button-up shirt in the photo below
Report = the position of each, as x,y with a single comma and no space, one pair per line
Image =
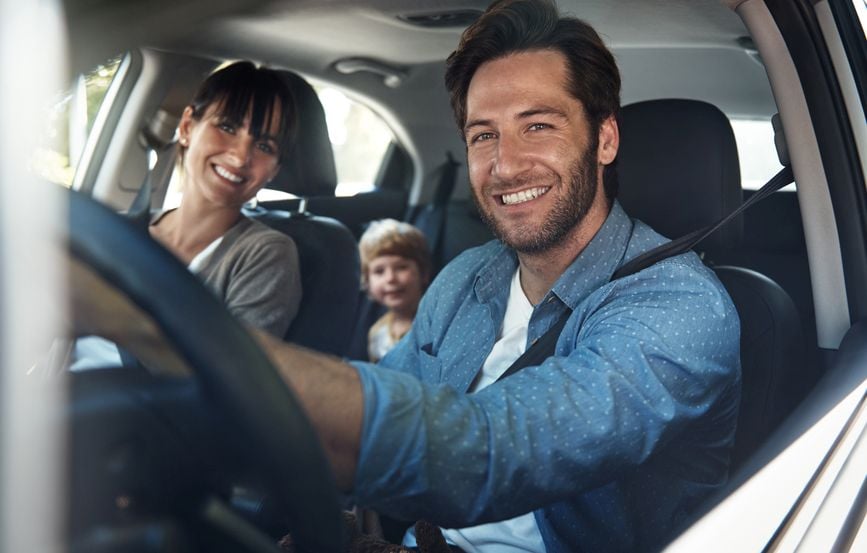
610,442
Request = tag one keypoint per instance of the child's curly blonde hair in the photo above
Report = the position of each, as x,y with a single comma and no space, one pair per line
391,237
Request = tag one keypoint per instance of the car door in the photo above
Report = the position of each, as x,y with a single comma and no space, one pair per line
805,489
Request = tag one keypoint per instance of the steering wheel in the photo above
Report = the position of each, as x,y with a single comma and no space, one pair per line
235,376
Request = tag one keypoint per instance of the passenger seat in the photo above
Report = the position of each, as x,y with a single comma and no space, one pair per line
328,254
678,170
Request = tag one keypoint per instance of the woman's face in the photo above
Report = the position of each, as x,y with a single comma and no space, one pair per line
395,282
224,163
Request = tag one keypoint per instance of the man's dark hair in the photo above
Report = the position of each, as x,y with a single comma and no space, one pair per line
512,26
242,86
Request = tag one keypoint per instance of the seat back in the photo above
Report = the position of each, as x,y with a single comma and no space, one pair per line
327,250
678,171
330,277
309,168
772,353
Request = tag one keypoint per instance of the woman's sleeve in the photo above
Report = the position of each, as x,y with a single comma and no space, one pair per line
264,289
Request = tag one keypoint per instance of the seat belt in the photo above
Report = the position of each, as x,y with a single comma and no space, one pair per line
139,211
158,136
433,225
686,243
543,347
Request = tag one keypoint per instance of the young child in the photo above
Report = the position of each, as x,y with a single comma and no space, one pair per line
395,270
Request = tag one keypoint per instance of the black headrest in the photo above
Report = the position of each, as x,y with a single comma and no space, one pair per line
678,169
308,170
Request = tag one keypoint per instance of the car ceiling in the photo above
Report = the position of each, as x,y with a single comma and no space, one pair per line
665,48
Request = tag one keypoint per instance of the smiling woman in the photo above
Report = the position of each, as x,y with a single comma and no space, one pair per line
232,137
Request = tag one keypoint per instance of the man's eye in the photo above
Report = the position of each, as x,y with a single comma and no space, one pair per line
539,126
482,136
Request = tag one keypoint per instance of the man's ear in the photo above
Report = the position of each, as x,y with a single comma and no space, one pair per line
609,141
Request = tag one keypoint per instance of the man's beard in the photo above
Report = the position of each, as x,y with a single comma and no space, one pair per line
567,213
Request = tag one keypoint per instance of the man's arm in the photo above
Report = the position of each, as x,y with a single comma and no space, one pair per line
330,393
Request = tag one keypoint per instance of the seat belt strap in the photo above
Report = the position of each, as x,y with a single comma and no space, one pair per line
139,211
539,350
686,243
544,346
432,220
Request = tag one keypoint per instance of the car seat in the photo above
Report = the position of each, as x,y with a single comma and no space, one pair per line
678,171
327,250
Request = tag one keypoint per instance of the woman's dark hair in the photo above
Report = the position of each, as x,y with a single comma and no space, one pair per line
242,86
512,26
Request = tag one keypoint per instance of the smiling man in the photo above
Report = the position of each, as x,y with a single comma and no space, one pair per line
627,425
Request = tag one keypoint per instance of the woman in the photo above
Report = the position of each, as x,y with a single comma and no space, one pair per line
232,138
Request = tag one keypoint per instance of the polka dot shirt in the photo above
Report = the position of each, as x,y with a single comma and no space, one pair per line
610,442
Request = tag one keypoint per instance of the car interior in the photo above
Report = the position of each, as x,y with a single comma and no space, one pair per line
716,93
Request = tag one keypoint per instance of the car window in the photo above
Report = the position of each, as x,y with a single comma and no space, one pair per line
756,152
359,137
861,10
69,121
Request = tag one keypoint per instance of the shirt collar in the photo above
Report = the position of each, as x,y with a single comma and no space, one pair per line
591,269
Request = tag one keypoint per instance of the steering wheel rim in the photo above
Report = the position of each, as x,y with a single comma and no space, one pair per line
232,370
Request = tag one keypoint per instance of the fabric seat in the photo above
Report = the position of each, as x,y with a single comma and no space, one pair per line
330,276
327,250
678,171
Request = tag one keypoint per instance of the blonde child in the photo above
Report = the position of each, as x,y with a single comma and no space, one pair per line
395,271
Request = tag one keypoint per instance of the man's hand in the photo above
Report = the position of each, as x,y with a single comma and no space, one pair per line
330,393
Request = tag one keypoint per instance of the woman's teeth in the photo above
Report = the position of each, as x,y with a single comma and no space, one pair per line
228,175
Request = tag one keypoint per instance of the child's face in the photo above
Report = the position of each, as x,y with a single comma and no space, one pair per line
395,282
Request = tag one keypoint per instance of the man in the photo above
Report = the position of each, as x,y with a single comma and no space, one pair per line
607,444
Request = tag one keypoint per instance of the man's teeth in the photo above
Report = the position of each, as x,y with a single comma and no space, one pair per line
524,195
227,175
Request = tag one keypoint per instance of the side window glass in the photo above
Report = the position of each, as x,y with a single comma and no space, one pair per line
359,137
861,10
756,152
69,122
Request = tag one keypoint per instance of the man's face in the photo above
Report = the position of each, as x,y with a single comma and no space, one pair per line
532,158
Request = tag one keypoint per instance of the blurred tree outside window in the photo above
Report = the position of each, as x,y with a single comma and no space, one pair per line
68,123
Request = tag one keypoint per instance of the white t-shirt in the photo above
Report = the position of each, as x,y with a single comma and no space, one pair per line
519,534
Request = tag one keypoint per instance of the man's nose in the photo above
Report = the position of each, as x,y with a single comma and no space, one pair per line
511,158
